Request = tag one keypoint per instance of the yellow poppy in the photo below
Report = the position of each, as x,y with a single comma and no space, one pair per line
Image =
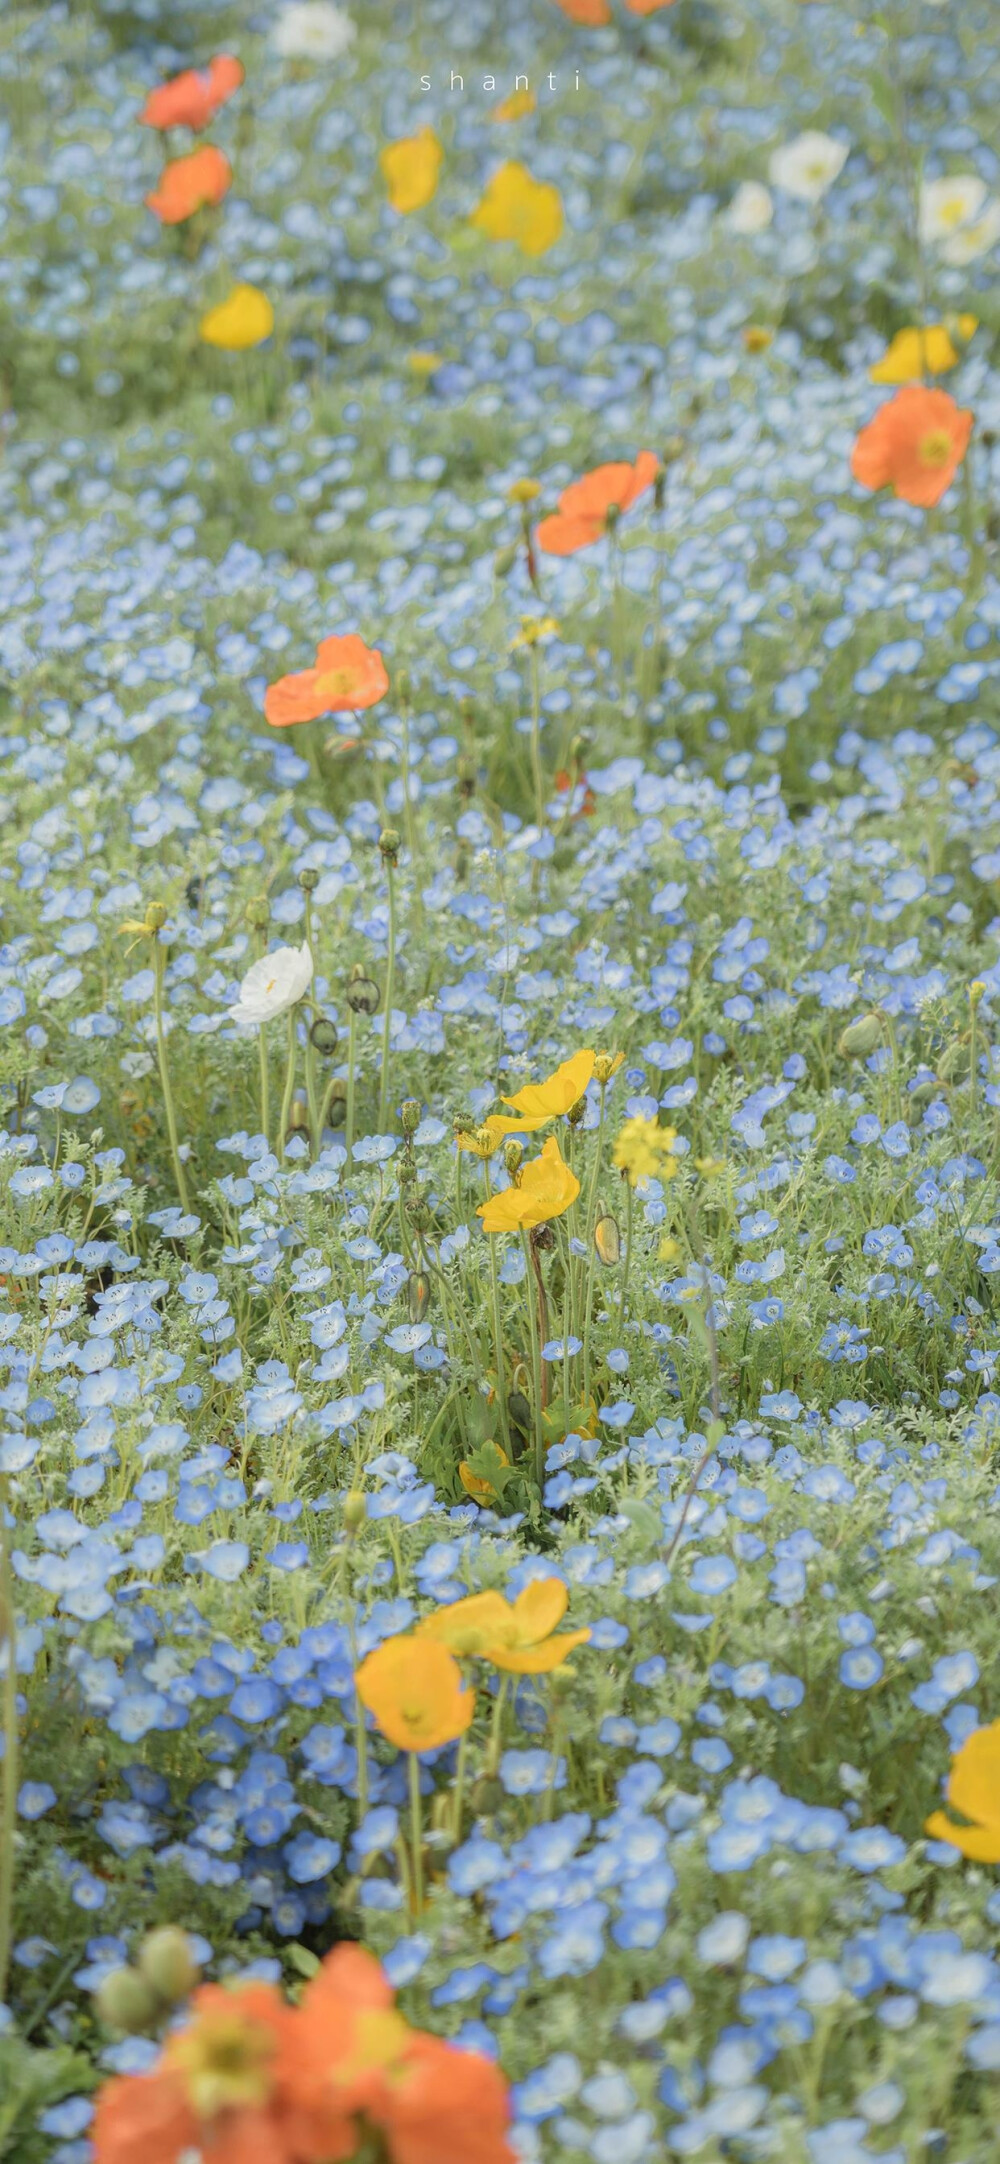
414,1689
974,1789
245,318
518,1636
916,352
534,1106
423,364
410,169
516,107
544,1189
516,207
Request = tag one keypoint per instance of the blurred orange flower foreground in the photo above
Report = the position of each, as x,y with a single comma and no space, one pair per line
594,14
188,184
587,508
914,445
191,100
251,2080
348,676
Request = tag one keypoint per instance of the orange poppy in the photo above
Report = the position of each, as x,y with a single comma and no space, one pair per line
588,507
426,2099
191,100
915,445
347,677
414,1689
187,184
593,14
647,7
232,2087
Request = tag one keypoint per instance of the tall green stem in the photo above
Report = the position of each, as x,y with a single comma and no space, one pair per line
390,971
286,1102
536,739
265,1083
536,1368
8,1813
312,1091
497,1327
591,1249
628,1252
159,964
352,1047
416,1835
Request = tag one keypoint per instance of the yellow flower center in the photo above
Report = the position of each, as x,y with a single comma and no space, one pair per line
224,2061
336,683
934,449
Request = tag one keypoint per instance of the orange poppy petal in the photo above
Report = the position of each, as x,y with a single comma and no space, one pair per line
292,699
560,536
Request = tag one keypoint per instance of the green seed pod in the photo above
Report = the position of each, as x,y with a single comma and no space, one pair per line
125,2001
608,1240
156,916
418,1295
363,995
324,1036
409,1116
355,1511
389,843
309,879
167,1965
861,1037
513,1157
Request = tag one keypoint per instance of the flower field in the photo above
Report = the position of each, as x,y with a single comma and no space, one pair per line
500,1077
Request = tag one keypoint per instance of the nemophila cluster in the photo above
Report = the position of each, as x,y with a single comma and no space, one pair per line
499,1080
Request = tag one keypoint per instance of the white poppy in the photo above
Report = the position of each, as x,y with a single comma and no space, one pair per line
751,209
312,30
272,985
808,165
975,239
946,205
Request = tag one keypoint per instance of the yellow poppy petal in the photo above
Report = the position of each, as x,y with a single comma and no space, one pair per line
539,1608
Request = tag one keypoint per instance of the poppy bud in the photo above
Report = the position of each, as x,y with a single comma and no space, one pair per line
673,449
363,995
608,1240
418,1295
258,912
125,2001
323,1036
505,559
487,1796
580,746
388,842
299,1116
861,1037
577,1112
409,1116
156,916
336,1103
355,1511
543,1239
309,879
513,1157
167,1965
194,892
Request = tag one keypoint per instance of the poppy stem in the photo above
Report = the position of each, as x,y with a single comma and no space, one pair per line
416,1837
536,1374
286,1102
8,1813
312,1093
159,965
592,1250
352,1045
390,971
265,1083
497,1329
628,1251
536,737
493,1753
